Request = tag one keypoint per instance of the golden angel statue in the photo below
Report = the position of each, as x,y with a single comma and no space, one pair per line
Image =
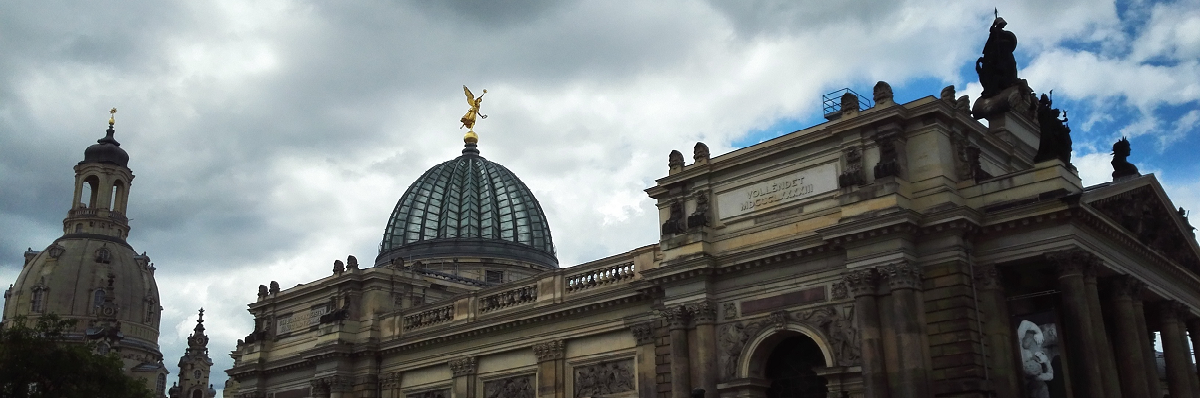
468,120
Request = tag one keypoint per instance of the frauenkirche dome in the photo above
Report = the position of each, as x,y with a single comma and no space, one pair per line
468,206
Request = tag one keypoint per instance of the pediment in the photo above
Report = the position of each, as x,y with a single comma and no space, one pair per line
1142,208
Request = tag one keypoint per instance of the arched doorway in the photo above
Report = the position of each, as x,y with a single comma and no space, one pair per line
790,368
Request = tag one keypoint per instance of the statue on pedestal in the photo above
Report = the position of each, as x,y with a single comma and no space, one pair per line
997,68
1055,142
1121,166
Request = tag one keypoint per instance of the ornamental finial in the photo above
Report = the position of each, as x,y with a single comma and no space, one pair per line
468,120
112,118
201,319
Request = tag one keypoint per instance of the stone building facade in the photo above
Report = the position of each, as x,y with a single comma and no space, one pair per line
895,250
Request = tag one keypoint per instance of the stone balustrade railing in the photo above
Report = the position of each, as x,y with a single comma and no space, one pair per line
429,317
513,297
599,277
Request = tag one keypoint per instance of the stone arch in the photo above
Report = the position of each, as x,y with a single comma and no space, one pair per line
759,348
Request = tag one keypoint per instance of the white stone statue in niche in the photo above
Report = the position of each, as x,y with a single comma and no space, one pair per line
1038,344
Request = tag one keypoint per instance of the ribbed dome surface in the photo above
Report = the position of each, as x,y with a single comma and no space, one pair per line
468,206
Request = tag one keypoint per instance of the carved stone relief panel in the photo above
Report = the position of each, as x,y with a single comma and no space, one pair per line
604,378
432,393
520,386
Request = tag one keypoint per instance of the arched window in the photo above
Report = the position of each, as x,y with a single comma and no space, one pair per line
161,384
78,228
38,297
98,298
196,393
90,184
118,195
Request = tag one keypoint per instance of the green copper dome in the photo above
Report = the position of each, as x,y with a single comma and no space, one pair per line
468,206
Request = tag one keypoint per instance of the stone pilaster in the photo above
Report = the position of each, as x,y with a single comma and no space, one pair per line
905,280
645,336
1104,350
464,369
681,374
552,373
1146,337
1126,339
863,285
997,332
704,316
1175,352
1083,360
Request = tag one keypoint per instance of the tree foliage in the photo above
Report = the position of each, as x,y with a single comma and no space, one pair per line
39,361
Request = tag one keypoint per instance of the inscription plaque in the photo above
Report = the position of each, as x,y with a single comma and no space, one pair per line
781,190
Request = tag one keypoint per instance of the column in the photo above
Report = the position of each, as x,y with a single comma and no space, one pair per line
1175,353
905,280
551,369
1146,337
1126,339
863,284
645,336
1108,366
463,369
1182,315
1193,328
997,332
681,375
704,316
1084,361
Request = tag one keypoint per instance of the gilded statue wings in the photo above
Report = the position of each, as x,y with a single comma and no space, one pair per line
470,97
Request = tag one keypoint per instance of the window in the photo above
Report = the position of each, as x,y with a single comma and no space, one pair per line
38,297
196,374
161,384
98,298
494,276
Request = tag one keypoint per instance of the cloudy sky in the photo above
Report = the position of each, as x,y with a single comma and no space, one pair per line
270,138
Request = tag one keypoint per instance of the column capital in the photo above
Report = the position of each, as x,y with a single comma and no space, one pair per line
703,312
903,275
677,316
987,276
1171,310
549,350
463,366
862,282
1125,286
643,333
1073,261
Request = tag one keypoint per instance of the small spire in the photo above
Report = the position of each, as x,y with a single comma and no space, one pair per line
201,319
112,118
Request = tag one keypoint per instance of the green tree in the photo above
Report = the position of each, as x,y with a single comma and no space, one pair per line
39,361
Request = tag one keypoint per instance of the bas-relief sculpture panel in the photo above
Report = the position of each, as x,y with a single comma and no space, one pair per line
520,386
780,190
604,378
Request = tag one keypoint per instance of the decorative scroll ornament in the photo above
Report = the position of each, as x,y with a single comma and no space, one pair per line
520,386
700,216
700,153
55,251
604,378
882,92
549,350
463,366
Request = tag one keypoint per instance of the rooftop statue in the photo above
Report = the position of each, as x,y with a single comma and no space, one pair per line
997,68
1121,166
1056,135
468,120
